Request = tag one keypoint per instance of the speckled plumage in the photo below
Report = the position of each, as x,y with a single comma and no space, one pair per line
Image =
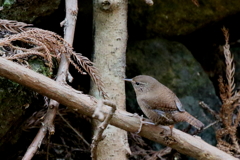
159,103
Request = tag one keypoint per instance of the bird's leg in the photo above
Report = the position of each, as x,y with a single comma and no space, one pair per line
147,123
143,122
165,117
171,128
162,114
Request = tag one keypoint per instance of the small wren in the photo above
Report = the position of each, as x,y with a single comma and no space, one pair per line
160,104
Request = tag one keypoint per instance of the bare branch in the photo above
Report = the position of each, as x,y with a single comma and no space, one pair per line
211,124
206,107
53,45
61,78
49,45
85,104
98,133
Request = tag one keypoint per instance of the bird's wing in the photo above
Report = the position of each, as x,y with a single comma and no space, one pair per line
179,105
149,112
159,104
167,102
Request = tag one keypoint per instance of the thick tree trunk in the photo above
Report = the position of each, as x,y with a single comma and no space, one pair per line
110,38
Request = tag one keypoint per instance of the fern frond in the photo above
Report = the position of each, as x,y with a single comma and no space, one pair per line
46,44
25,54
92,71
222,89
226,136
13,26
230,67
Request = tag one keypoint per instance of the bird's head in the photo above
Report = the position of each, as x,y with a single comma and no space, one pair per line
142,83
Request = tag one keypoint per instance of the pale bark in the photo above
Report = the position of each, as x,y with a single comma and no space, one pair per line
85,104
62,75
110,39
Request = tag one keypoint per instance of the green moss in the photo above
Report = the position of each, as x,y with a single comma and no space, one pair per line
13,100
38,66
8,3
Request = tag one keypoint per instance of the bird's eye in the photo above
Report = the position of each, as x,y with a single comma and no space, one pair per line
137,83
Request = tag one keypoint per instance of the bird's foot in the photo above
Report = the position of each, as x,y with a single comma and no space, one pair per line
143,122
171,128
147,123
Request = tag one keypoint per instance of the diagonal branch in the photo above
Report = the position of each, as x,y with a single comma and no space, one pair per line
70,23
85,104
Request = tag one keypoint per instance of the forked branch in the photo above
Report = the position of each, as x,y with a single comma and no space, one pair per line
99,132
61,79
85,104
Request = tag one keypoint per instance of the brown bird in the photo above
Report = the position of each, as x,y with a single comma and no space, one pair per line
160,104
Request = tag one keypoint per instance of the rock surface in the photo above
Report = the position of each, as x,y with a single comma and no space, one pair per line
174,66
27,10
175,18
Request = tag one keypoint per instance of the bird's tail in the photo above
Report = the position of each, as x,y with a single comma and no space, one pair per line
186,117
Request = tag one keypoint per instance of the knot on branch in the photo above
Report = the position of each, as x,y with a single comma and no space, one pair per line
149,2
108,5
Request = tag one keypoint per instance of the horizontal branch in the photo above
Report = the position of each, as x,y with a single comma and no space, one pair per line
85,104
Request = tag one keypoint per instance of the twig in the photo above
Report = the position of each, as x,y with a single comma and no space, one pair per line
73,129
48,146
212,112
164,152
69,147
98,133
85,104
149,2
71,6
195,2
211,124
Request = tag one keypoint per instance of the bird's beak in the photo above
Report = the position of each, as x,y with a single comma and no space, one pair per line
128,80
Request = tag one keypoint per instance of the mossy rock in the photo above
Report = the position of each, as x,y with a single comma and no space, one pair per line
27,10
14,99
174,66
176,17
